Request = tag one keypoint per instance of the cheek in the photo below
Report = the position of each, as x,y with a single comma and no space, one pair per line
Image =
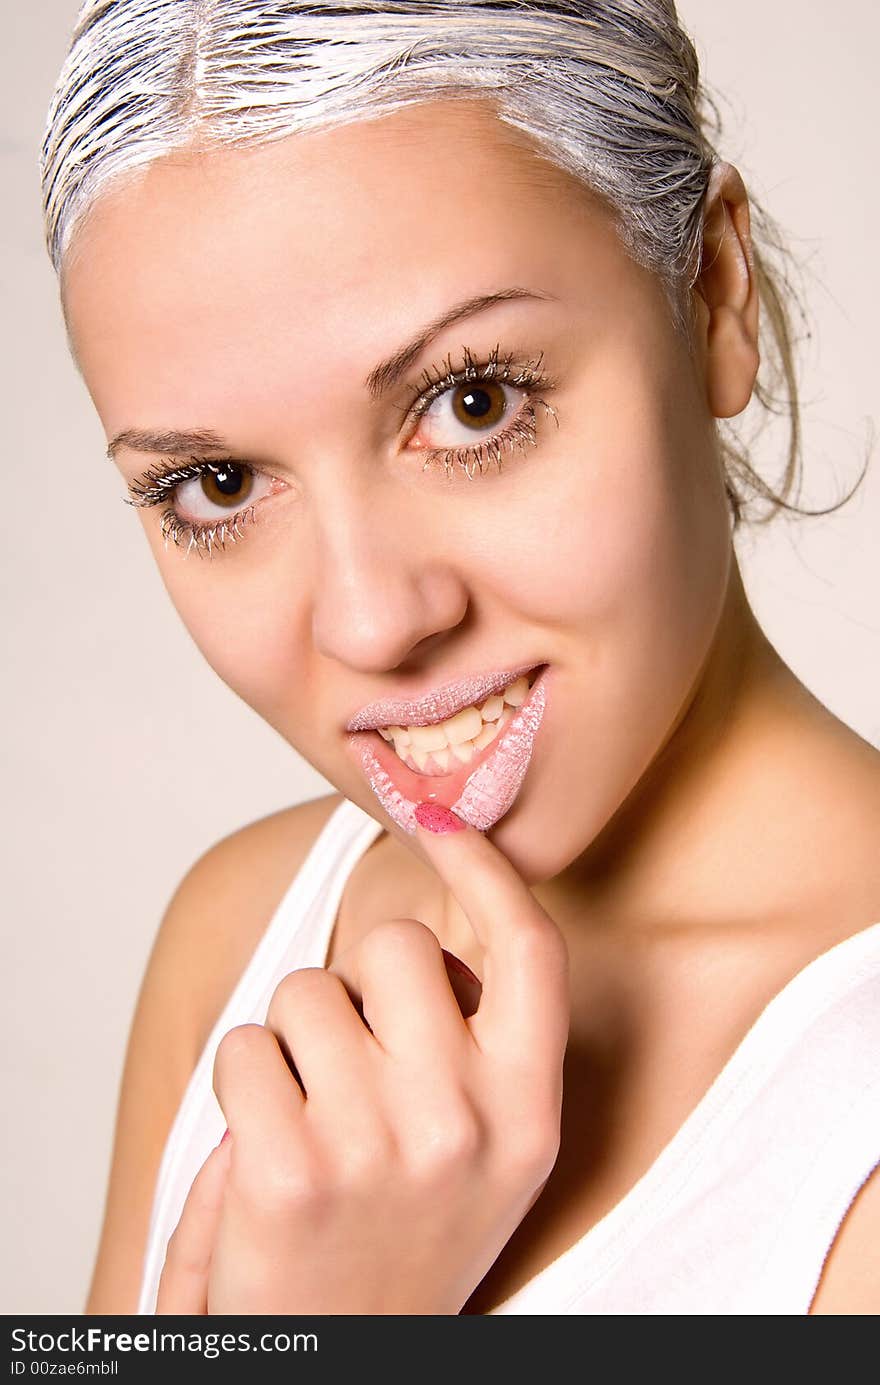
617,535
253,640
661,550
623,557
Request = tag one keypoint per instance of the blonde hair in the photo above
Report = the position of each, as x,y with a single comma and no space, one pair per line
608,90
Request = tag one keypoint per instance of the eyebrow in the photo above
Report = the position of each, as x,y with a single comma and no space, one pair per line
380,380
388,372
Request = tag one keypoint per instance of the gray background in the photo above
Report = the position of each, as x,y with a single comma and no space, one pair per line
125,757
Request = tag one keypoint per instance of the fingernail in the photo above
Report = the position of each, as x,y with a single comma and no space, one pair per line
466,987
224,1136
461,967
435,818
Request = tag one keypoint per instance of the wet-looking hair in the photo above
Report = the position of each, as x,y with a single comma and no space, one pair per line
608,90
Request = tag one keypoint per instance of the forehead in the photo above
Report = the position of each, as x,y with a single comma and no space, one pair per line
352,233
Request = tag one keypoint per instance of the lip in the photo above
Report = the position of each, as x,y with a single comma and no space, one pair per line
479,792
438,704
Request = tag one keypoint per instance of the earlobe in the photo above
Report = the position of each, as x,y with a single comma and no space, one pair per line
727,283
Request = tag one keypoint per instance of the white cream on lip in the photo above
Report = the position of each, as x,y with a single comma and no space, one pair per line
447,744
439,705
491,790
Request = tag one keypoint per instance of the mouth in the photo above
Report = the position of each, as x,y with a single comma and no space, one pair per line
473,762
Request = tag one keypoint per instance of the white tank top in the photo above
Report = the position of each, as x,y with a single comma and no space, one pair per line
737,1213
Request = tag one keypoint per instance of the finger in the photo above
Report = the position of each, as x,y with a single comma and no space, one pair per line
183,1285
525,1002
466,987
259,1095
346,1127
400,972
318,1027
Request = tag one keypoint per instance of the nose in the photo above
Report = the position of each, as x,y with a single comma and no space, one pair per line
383,587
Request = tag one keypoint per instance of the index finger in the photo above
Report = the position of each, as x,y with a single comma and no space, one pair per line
525,1002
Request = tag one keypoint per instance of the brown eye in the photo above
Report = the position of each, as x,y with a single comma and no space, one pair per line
480,403
227,483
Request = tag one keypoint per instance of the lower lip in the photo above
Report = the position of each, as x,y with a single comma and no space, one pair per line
479,793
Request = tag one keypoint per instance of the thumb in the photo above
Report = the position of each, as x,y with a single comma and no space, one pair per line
183,1285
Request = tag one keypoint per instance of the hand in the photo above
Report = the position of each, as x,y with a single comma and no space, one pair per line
389,1181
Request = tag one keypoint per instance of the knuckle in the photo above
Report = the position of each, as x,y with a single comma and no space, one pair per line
387,939
532,1155
365,1161
299,985
280,1187
174,1247
241,1043
301,991
543,947
180,1256
449,1144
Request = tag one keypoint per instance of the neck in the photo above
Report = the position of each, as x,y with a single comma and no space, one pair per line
713,833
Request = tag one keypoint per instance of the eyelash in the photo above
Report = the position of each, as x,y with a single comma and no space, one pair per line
155,485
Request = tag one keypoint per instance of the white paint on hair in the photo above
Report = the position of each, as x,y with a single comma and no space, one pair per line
607,90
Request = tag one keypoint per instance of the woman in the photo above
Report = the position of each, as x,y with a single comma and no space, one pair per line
412,328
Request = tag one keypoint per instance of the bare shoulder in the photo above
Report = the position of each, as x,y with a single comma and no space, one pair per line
228,897
850,1281
206,937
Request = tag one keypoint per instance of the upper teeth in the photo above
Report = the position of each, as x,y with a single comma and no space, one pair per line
459,737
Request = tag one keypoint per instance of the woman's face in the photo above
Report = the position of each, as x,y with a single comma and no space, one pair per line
253,293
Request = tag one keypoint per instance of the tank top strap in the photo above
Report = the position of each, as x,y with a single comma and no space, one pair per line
297,935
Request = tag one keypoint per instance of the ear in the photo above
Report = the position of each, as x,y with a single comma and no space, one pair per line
727,286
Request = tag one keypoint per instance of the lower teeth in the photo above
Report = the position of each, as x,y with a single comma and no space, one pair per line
445,761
